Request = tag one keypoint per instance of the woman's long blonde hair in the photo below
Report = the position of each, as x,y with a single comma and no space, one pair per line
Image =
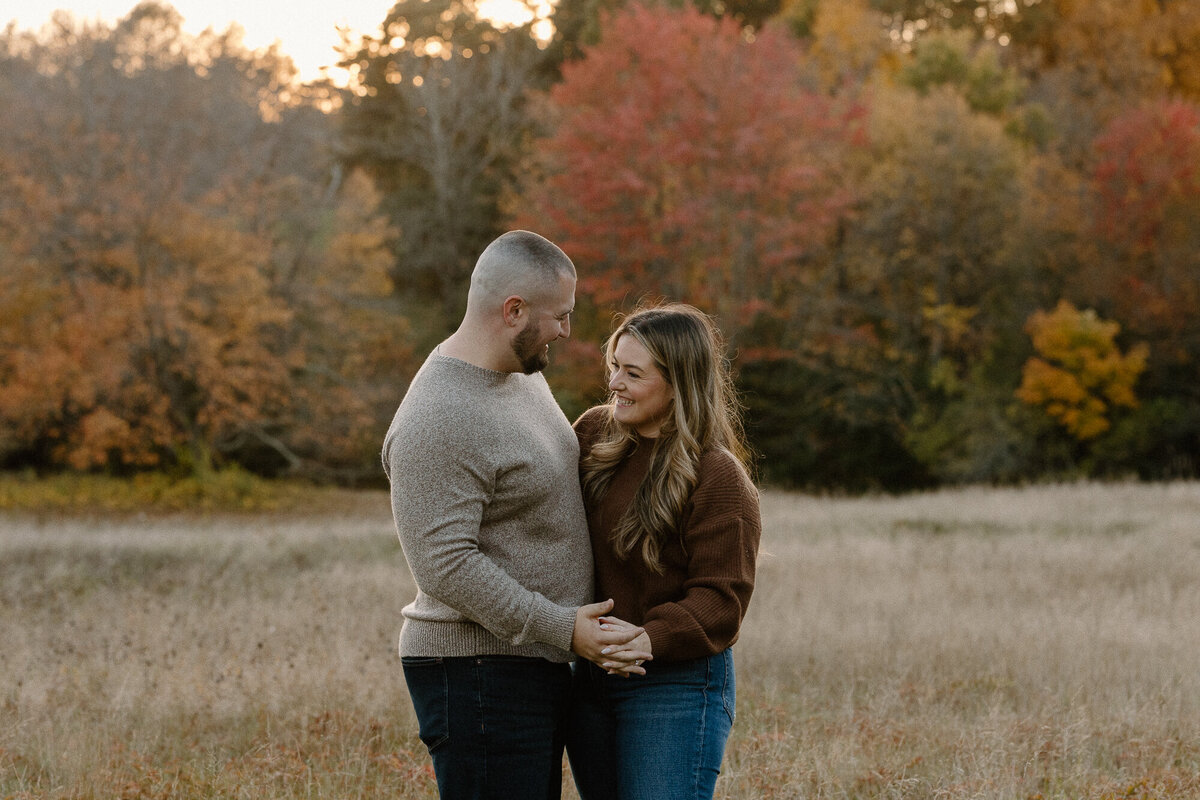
689,352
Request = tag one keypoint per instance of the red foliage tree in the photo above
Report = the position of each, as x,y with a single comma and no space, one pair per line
694,163
1148,172
1147,183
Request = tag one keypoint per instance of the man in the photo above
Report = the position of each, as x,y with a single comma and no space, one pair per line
485,492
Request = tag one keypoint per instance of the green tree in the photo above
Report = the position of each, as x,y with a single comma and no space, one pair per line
950,59
928,269
928,246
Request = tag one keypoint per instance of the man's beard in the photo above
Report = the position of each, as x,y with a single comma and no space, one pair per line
533,357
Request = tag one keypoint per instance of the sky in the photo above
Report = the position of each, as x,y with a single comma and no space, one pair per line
305,29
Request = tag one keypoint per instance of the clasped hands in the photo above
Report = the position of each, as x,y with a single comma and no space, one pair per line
614,645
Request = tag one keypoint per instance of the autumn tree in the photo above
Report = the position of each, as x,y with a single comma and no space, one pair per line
692,164
1139,264
846,41
1119,48
1079,376
1177,44
183,269
1147,181
701,166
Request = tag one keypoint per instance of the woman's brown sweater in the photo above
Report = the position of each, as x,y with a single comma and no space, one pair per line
695,607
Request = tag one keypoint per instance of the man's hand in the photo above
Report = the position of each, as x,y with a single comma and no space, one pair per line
607,640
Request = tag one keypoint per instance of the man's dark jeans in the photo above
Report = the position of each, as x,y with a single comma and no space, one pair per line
494,725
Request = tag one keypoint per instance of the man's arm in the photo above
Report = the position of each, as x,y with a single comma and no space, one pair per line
437,501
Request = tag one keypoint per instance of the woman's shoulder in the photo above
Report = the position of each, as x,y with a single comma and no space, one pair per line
721,460
721,473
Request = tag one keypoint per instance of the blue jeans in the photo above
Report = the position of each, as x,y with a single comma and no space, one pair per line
495,726
658,737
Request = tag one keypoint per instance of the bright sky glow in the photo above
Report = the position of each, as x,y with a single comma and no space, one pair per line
305,29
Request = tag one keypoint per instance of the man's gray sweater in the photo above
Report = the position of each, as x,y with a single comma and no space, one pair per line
484,469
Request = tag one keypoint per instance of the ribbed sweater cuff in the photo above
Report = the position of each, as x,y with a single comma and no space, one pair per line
554,624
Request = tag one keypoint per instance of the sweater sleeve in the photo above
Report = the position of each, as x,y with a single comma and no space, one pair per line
721,535
440,485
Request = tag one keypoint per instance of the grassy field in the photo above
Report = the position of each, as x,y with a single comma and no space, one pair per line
1026,643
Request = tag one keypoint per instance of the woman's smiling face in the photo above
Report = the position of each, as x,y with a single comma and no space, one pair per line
642,395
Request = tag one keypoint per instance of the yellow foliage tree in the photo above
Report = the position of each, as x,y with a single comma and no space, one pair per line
1079,373
849,42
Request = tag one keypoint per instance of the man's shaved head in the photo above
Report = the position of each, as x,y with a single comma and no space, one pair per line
517,263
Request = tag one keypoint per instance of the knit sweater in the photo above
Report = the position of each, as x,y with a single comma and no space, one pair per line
695,608
485,493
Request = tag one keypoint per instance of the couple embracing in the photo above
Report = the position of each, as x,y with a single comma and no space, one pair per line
625,544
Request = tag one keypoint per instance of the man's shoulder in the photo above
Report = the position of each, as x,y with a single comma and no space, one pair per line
437,385
451,400
435,406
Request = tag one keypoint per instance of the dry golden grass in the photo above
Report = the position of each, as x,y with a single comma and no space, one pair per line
1040,642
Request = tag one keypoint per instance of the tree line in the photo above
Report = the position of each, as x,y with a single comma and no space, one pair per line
948,240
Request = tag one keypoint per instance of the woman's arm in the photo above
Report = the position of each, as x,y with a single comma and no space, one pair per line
721,533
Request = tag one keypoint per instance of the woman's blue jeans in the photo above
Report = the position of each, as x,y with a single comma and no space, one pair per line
658,737
495,725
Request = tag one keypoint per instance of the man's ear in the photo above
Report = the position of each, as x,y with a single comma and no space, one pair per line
514,309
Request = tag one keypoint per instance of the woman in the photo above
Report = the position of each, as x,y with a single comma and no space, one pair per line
674,522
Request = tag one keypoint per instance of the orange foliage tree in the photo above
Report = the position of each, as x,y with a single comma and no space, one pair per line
1127,45
694,164
182,281
1079,374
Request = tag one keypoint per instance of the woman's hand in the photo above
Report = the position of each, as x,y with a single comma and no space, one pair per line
608,640
626,659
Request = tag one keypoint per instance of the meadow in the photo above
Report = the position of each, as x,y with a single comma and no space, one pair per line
1037,642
